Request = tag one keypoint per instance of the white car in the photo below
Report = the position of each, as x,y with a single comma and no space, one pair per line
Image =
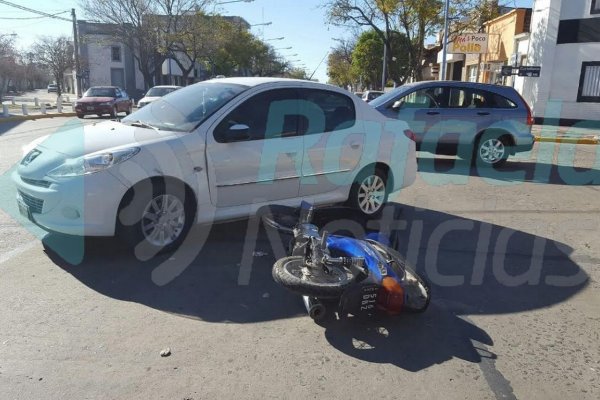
156,93
215,151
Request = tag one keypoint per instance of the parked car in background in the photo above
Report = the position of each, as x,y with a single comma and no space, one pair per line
101,100
214,151
156,93
371,95
53,87
485,123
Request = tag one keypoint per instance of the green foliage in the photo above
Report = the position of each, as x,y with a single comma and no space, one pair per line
410,22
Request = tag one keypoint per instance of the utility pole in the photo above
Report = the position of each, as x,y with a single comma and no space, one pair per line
445,44
384,69
76,52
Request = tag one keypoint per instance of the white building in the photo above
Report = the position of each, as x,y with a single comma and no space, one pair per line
565,43
107,61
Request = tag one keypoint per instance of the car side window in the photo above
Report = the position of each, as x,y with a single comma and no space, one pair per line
325,111
501,101
267,115
468,98
424,98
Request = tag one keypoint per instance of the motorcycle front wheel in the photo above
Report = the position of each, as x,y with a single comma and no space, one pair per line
290,272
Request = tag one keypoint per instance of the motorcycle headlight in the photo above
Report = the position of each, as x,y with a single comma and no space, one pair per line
92,163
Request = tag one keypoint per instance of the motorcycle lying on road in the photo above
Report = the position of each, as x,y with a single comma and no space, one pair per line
342,275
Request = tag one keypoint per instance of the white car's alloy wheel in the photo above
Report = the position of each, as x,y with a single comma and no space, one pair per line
491,151
163,220
371,194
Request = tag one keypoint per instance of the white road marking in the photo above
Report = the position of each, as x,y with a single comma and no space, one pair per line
15,252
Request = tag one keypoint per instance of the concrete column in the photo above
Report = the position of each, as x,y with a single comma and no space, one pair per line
43,108
24,109
5,110
59,105
37,101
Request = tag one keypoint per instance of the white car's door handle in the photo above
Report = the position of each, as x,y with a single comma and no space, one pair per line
355,145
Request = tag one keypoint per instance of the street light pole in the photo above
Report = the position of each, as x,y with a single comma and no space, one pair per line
445,43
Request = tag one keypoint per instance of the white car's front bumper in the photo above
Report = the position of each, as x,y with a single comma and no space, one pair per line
83,206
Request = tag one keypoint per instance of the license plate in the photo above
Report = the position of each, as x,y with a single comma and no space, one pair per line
90,108
24,209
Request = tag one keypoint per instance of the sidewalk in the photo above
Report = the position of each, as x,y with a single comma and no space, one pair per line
38,104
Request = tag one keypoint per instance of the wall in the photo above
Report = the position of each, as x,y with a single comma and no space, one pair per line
542,49
554,93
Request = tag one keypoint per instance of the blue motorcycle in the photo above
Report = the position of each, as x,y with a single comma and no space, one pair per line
343,275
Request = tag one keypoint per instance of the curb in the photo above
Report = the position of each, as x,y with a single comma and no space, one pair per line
36,116
569,140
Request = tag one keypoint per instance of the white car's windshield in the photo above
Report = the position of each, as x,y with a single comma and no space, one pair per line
160,91
184,109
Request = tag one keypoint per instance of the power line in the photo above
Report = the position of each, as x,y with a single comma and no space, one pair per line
40,17
45,14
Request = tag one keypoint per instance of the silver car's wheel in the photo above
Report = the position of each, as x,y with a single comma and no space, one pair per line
371,194
163,220
492,151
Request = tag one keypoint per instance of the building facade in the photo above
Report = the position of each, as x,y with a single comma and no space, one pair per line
565,43
106,61
503,32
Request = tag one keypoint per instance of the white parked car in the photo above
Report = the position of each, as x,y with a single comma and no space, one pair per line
214,151
156,93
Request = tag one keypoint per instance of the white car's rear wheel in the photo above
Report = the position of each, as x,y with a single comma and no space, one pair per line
369,192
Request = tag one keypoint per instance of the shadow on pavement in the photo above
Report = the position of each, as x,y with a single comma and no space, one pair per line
513,171
412,342
441,246
7,126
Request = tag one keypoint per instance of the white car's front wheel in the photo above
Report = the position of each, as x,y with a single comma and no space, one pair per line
157,215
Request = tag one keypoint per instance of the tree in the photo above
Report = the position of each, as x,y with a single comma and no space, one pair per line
145,26
416,20
374,14
339,64
296,73
57,55
7,62
197,39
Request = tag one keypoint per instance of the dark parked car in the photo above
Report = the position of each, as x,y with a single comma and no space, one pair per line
53,87
486,123
100,100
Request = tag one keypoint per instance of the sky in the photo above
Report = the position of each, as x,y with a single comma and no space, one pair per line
302,23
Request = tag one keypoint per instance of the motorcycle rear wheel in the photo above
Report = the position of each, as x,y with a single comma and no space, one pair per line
288,272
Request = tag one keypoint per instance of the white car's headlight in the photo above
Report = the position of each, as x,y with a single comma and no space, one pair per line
92,163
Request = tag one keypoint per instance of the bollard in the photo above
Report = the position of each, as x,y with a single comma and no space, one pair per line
24,109
43,108
13,101
59,106
36,101
5,110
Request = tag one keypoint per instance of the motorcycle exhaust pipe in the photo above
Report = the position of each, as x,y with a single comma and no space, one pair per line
316,310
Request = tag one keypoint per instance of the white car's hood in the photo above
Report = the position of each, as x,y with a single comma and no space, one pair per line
84,140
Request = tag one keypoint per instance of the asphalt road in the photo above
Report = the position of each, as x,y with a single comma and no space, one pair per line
513,259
